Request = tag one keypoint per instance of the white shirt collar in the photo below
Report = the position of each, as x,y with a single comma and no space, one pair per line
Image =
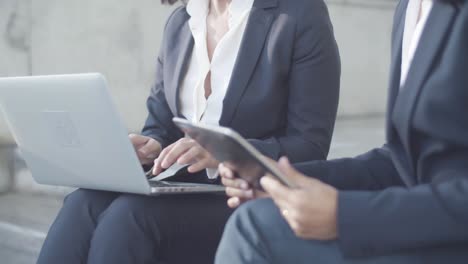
237,10
198,10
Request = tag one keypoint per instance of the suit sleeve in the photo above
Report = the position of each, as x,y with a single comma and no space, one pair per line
313,90
159,123
373,170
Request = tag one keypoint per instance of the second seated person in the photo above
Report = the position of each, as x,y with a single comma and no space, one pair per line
269,69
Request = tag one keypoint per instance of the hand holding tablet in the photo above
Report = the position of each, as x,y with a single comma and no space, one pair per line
228,147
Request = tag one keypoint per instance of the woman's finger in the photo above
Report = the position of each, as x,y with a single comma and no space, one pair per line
243,194
225,172
261,194
179,148
190,156
276,189
165,151
146,161
157,168
235,183
234,202
199,165
150,150
280,194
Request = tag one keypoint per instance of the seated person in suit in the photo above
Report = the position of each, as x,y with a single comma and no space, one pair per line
269,69
406,202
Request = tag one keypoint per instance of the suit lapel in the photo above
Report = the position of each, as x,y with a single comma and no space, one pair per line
434,35
253,41
183,49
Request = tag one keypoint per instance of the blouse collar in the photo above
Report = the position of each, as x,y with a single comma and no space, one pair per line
198,10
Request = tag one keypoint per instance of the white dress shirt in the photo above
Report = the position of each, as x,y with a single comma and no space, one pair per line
193,104
417,14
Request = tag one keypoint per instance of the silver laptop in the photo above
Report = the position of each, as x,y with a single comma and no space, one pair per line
70,134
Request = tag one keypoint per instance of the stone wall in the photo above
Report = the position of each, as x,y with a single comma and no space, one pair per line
14,46
363,31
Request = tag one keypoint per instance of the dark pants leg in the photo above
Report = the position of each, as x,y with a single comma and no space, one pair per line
69,237
103,227
257,233
166,229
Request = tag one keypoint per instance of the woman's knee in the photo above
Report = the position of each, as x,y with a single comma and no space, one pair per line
129,207
129,215
258,216
80,196
89,201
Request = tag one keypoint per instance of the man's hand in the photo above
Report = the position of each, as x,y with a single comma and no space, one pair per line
185,151
310,209
147,148
238,190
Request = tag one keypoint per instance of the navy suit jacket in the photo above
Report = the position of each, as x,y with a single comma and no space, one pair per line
283,94
413,193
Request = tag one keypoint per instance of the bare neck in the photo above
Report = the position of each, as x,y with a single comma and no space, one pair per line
219,7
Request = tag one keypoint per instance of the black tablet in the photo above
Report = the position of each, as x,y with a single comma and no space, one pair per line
229,147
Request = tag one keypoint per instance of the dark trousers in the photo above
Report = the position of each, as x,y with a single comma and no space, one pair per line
257,233
104,227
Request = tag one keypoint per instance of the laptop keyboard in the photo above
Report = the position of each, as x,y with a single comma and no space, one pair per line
160,184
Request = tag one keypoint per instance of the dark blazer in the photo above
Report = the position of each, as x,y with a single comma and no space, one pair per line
413,192
284,90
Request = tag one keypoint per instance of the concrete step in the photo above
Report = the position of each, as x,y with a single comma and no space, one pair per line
24,221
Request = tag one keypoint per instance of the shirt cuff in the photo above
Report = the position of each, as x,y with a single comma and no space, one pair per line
212,173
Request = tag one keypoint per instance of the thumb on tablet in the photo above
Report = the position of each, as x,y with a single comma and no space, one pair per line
297,178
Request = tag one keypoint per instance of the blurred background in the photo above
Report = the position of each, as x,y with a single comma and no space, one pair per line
121,39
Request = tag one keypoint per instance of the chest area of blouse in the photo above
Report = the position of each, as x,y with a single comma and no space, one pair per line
217,41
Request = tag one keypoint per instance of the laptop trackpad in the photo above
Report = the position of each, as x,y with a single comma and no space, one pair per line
169,172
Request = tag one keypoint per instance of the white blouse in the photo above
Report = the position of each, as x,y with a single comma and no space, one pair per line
193,104
416,17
